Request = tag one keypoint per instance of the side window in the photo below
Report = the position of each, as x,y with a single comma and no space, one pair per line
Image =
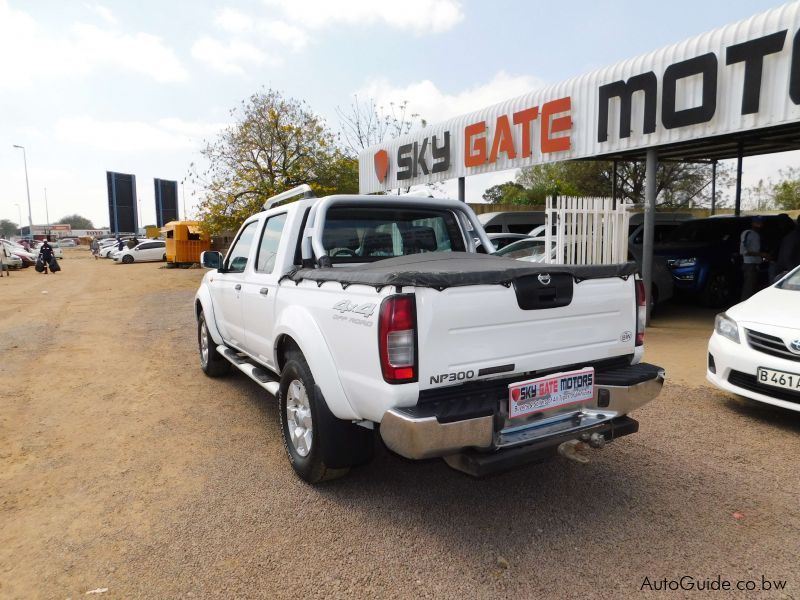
236,260
268,248
147,246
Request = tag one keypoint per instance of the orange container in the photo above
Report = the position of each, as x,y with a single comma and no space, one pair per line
185,241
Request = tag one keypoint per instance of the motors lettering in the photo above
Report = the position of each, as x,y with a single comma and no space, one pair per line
751,55
552,386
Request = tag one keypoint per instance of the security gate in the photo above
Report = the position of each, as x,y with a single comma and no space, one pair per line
586,231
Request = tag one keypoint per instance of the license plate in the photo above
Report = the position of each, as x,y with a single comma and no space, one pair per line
779,379
553,391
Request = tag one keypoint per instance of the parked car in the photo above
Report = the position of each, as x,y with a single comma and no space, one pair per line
511,221
56,246
67,243
371,315
754,350
149,251
14,262
665,224
528,249
500,240
703,255
28,258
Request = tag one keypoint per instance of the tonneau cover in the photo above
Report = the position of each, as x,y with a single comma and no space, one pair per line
442,270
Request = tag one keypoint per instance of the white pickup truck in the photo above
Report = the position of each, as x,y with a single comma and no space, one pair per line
376,313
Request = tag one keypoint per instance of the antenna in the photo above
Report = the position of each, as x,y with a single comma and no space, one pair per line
301,190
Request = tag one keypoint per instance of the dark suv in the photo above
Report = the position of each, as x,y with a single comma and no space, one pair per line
703,255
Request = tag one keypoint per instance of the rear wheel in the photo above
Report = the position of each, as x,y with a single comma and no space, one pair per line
211,362
319,446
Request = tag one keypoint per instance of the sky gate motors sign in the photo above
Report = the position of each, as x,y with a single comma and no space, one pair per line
741,77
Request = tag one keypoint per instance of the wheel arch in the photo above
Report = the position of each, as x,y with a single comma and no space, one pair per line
296,328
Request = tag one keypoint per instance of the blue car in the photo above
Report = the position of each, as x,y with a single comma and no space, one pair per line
703,256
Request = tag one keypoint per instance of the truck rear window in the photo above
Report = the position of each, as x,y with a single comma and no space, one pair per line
369,234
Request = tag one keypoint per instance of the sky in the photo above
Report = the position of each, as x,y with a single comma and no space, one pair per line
88,87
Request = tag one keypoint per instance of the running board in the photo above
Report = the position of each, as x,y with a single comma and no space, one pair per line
258,374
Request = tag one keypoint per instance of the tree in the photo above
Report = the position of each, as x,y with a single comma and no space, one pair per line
76,222
364,124
513,193
8,228
275,143
677,184
786,193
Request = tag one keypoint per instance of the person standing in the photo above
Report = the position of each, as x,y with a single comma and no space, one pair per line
120,244
752,256
95,246
46,254
4,260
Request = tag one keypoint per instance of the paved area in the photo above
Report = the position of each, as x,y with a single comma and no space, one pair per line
123,467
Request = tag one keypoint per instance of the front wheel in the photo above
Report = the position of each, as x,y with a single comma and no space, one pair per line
211,362
127,259
718,291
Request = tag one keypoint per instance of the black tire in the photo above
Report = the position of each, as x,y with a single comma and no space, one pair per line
333,446
164,258
127,259
718,291
211,362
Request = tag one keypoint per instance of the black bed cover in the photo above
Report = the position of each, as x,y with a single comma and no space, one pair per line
441,270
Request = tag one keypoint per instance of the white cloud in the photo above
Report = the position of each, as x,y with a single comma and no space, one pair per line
32,54
419,16
285,34
103,12
434,105
232,57
233,21
165,135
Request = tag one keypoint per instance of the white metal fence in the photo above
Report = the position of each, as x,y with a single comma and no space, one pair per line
586,231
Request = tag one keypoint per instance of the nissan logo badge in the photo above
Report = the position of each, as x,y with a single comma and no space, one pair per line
794,344
544,279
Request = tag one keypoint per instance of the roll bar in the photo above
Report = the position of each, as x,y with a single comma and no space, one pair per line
303,190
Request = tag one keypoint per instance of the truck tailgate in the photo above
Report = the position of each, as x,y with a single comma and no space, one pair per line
478,331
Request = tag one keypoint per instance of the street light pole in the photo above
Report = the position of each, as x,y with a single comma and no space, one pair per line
19,217
28,189
47,212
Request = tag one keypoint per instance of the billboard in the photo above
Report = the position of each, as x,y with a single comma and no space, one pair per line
743,77
166,201
122,214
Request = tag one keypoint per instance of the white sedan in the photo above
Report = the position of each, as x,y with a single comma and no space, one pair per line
149,251
755,348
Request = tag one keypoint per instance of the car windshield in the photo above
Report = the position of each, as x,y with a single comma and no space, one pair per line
702,230
522,249
792,282
357,234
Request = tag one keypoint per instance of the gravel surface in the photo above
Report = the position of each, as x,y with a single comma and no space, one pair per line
123,467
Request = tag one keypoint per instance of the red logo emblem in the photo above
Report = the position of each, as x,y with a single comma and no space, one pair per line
515,394
381,165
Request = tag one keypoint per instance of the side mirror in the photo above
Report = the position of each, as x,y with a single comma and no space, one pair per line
211,260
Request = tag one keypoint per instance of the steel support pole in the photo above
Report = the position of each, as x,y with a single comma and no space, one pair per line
739,155
649,222
614,187
713,187
462,189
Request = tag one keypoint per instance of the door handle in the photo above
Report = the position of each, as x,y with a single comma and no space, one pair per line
263,291
237,287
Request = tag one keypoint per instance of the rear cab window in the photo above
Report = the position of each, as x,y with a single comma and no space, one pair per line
366,234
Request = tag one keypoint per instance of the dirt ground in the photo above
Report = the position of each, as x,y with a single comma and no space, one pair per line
123,467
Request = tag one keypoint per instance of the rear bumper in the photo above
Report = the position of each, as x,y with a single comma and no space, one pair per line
415,433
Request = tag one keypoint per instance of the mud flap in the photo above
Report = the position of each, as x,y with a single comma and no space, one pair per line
344,444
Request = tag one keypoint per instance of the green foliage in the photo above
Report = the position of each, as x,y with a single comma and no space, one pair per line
8,228
786,193
76,222
513,193
276,143
677,184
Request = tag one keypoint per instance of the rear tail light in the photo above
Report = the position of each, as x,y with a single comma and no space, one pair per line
397,339
641,312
